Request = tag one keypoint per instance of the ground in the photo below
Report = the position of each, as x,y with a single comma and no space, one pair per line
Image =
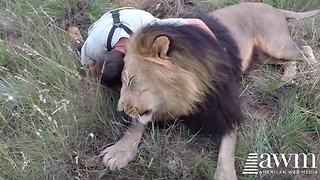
53,127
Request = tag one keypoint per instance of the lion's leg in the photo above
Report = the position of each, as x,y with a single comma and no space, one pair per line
307,50
121,153
302,53
226,159
286,51
278,43
289,71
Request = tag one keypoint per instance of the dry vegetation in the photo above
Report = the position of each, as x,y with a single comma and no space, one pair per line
52,127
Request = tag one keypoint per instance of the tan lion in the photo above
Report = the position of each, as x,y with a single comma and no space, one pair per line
183,72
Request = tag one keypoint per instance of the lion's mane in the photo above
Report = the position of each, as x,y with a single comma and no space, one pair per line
200,77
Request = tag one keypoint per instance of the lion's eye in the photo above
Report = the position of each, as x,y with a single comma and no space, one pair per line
130,80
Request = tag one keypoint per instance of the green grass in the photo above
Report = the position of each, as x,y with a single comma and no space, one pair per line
48,117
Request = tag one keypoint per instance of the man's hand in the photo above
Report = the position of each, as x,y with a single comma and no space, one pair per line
201,24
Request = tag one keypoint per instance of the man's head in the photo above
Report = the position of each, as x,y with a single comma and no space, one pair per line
109,68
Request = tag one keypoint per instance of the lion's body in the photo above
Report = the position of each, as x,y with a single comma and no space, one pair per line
258,26
196,79
192,74
187,66
184,72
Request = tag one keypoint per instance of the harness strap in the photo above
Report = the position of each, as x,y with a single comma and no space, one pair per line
116,24
125,28
109,47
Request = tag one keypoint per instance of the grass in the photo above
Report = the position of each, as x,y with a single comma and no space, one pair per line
52,127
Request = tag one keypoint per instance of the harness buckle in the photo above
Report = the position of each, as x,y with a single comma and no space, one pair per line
117,24
116,17
115,14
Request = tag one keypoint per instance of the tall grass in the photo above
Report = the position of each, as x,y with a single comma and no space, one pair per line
53,127
46,112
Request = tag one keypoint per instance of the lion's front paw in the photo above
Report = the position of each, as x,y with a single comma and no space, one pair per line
225,175
118,155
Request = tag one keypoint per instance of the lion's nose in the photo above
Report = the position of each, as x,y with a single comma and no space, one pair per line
120,109
120,105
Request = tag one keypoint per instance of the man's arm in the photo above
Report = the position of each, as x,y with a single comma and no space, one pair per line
201,24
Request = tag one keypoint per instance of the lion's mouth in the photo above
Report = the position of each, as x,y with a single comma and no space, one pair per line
144,117
146,112
135,112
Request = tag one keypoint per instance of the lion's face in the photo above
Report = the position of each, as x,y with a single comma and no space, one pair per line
153,82
139,96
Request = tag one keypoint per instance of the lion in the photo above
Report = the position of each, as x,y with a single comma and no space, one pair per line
184,72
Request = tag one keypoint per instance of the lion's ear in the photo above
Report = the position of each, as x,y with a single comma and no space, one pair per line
161,46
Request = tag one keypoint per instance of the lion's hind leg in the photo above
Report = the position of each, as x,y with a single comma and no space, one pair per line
289,71
307,51
287,52
226,158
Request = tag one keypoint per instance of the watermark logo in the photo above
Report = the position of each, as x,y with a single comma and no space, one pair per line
288,163
251,166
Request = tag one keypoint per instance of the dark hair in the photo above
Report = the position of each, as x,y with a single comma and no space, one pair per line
109,68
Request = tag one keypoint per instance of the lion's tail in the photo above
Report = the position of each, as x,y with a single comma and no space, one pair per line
299,15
